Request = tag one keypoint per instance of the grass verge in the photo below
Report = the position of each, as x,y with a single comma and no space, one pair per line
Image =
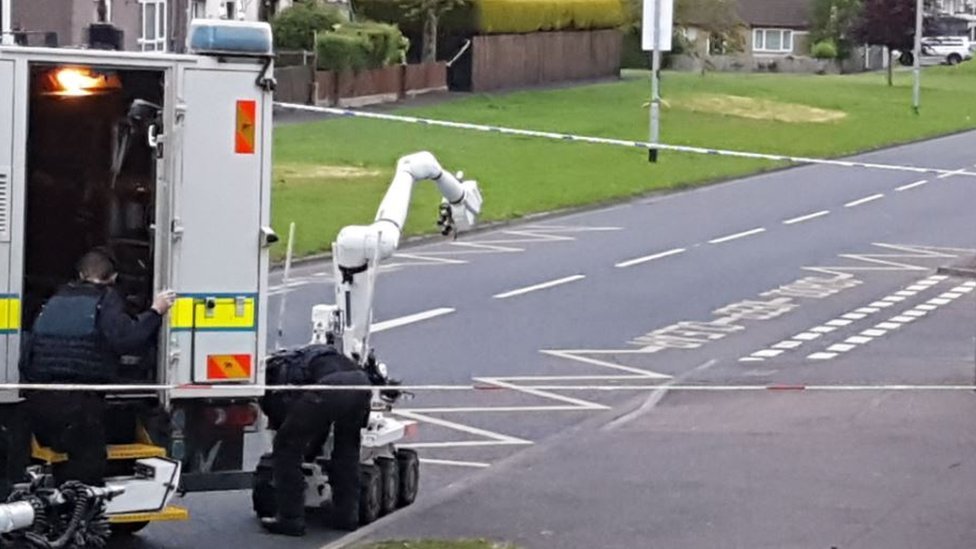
335,172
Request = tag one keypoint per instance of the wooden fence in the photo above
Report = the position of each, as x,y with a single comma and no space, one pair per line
519,60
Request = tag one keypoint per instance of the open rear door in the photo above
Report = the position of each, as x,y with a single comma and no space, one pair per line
221,204
11,255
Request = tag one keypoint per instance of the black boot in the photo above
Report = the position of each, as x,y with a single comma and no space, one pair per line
285,526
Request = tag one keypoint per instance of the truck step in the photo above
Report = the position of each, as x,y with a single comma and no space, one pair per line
170,513
115,452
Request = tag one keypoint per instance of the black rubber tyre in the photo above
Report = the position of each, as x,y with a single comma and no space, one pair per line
262,493
954,59
906,58
370,494
409,465
390,478
128,528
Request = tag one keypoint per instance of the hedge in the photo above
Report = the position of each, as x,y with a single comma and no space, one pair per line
295,27
506,16
358,46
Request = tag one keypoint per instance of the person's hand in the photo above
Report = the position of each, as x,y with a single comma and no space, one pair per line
164,301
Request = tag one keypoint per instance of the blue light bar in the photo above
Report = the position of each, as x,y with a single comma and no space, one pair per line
222,37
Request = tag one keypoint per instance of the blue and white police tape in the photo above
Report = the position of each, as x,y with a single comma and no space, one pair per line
485,386
622,142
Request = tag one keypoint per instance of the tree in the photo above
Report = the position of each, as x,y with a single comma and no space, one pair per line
431,11
834,21
887,23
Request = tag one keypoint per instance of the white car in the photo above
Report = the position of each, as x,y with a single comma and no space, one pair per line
941,49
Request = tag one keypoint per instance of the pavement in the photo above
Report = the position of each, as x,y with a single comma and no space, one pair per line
809,276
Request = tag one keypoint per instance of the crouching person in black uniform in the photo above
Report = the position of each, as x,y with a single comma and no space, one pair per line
305,418
78,338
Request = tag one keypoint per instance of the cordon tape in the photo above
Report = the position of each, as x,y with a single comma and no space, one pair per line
620,142
485,387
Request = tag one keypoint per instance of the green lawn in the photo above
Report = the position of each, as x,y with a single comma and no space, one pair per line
333,173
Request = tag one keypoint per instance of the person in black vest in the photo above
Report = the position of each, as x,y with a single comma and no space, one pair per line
306,420
78,338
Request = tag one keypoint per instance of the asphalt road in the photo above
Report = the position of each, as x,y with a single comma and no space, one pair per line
593,301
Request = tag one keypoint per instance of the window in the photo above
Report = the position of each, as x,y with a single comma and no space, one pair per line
772,40
153,25
231,11
199,8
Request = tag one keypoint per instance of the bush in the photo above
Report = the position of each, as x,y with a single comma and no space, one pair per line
387,45
340,51
509,16
824,50
295,27
358,46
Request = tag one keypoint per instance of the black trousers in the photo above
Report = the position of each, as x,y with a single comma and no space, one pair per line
309,420
71,423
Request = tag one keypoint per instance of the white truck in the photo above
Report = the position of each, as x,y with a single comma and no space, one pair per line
165,159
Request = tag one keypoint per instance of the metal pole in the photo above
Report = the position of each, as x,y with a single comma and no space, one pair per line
284,282
917,65
655,84
6,26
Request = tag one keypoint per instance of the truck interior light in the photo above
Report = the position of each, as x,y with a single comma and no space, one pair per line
79,82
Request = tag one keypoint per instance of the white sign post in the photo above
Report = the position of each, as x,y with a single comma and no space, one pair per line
656,37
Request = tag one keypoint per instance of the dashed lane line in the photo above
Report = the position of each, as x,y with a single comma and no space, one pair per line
845,320
541,286
737,235
409,319
474,464
912,185
807,217
894,322
645,259
864,200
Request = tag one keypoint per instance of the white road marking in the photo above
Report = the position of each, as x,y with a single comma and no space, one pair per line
840,348
645,259
737,235
867,310
906,293
542,286
926,307
939,301
889,325
881,304
912,185
823,329
952,295
788,344
915,313
807,217
902,318
854,316
807,336
751,359
840,323
493,437
768,353
409,319
476,464
864,200
920,287
894,299
950,174
873,332
858,340
822,356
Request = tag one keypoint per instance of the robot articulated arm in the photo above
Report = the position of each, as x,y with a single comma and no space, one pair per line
359,249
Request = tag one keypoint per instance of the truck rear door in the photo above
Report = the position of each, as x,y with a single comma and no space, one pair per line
10,254
220,205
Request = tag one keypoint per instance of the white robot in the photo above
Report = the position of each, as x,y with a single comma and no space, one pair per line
389,475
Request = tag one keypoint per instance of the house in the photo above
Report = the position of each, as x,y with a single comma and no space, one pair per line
146,25
776,28
769,28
